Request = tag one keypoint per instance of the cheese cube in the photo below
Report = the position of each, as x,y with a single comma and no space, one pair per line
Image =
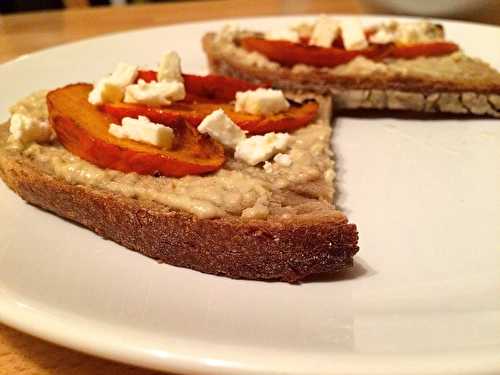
283,160
303,29
143,130
353,34
407,33
227,33
154,93
170,67
261,102
25,129
105,92
324,33
268,167
383,36
110,89
418,32
259,148
288,35
220,127
124,74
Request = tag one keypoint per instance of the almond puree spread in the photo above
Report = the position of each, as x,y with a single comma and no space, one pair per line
236,189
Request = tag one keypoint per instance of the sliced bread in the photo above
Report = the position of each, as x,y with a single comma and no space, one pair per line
453,83
243,222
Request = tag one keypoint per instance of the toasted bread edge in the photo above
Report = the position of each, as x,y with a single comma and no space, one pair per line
249,249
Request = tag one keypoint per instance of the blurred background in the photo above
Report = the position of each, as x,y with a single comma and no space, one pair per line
15,6
462,9
30,25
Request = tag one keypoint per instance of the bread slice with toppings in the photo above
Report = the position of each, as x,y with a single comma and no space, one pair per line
242,221
449,83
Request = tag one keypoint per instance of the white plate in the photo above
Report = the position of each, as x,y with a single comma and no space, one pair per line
423,297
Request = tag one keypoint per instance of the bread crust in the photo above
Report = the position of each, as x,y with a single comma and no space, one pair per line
286,250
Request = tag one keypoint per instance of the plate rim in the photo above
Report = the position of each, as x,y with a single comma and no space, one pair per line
26,319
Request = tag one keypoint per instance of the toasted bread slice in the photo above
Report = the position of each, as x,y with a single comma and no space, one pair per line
287,233
453,83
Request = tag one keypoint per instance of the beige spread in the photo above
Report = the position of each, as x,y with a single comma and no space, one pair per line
448,67
237,189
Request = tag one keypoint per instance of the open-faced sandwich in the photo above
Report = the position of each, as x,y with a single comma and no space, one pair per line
205,172
400,66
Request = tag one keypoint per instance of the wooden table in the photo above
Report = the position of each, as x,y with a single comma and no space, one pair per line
20,34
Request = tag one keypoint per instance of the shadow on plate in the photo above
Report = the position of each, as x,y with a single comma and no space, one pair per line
408,115
359,270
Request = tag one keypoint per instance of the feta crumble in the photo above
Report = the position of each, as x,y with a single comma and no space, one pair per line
325,32
25,129
143,130
170,67
261,101
259,148
154,93
111,89
220,127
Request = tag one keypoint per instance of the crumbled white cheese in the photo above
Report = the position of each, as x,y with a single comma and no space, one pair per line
111,89
325,31
288,35
259,148
143,130
105,92
25,129
406,33
220,127
304,29
385,33
353,34
124,74
382,36
283,160
261,101
154,93
417,32
170,67
268,167
227,33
